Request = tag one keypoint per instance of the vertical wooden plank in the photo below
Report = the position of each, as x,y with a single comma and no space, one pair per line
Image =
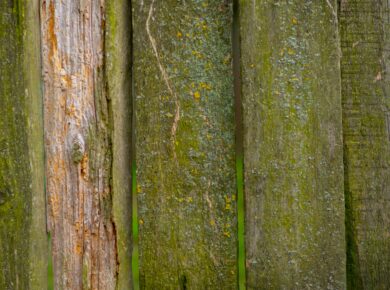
119,85
293,160
185,144
22,200
86,69
365,38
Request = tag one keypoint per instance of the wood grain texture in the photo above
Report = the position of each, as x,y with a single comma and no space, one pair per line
365,38
185,144
293,158
22,200
87,141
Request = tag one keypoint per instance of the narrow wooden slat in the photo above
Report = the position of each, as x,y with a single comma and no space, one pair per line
365,39
23,259
185,144
293,158
86,66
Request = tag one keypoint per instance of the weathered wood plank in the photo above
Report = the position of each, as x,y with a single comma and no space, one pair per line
185,144
86,63
23,259
365,38
293,160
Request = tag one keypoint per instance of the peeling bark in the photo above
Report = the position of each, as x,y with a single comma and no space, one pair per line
23,260
185,144
365,38
293,166
87,132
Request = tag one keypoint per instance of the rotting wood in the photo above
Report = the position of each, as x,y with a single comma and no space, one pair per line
86,70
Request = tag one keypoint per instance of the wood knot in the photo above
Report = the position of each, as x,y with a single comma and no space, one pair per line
78,149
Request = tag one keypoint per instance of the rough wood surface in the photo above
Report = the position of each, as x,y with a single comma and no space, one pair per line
185,144
23,259
365,38
293,160
87,141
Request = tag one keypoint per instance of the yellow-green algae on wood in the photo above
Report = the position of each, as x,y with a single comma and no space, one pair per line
365,39
185,144
22,200
293,159
118,77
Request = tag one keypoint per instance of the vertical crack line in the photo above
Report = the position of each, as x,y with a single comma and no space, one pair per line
166,80
333,10
239,144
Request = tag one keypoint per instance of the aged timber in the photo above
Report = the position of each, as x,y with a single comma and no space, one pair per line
23,259
293,158
365,39
185,144
86,69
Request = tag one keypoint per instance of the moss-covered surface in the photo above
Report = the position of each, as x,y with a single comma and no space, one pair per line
293,160
365,38
185,144
118,77
22,223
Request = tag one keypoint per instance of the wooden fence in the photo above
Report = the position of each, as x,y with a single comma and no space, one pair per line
132,133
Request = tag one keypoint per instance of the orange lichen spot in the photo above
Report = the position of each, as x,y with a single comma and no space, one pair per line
294,21
197,95
228,203
67,80
205,86
197,54
78,249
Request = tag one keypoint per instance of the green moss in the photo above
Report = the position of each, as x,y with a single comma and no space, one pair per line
21,164
186,165
365,38
292,145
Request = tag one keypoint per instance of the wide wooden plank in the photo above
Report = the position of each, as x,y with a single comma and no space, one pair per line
185,144
293,154
87,100
23,239
365,39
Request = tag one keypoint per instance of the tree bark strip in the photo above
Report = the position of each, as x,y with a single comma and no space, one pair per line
293,158
185,144
87,141
23,240
365,38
